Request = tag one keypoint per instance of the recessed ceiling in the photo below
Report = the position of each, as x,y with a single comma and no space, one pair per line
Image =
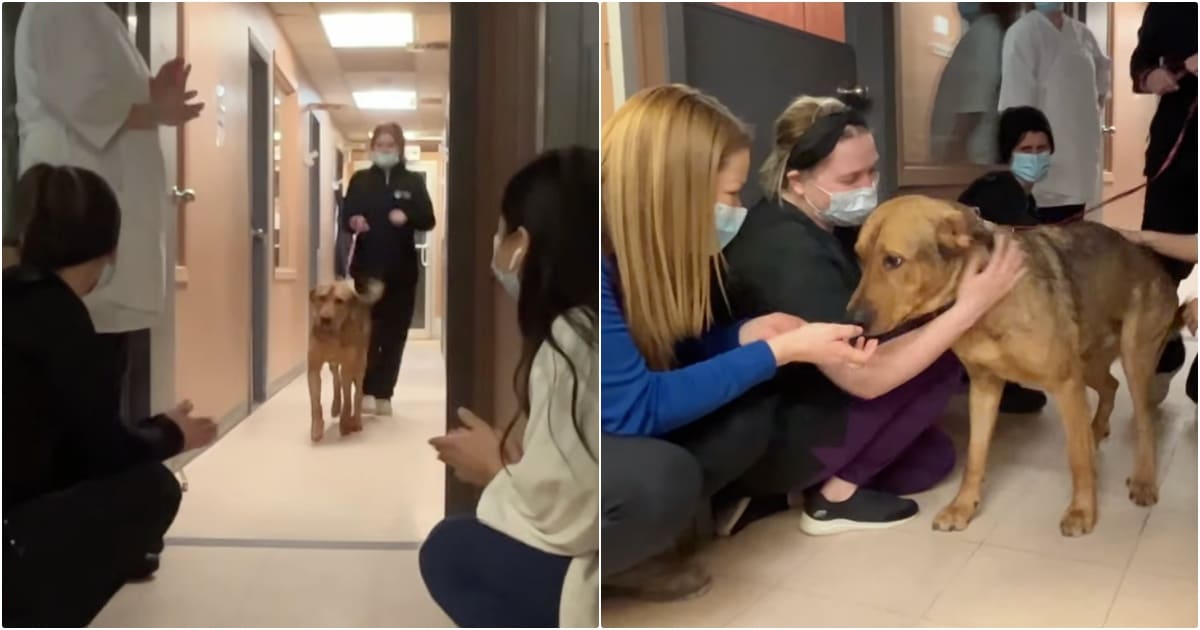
337,73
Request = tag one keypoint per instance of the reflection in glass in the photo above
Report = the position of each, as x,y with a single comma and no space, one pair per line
950,72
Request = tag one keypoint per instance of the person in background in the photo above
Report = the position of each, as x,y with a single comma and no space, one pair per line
86,98
1052,62
86,498
1180,247
964,108
850,442
1025,142
679,415
1164,63
384,206
529,557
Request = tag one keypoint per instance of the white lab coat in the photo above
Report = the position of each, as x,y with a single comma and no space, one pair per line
970,84
78,73
1063,73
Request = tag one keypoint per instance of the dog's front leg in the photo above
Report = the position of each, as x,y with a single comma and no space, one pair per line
314,398
1077,424
985,403
336,371
346,422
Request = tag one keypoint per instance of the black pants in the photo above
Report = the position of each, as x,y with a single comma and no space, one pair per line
129,355
482,578
1171,207
652,488
1058,214
390,319
67,553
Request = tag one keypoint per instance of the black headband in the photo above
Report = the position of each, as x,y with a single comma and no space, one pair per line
822,137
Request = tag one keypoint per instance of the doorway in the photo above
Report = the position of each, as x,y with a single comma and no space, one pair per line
259,143
314,199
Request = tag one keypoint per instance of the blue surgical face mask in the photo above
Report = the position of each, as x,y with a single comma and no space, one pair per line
1031,167
729,221
969,10
1048,7
850,208
507,277
385,159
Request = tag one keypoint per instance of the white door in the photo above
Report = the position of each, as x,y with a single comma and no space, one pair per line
163,24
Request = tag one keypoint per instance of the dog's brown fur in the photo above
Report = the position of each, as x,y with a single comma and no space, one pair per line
339,335
1088,297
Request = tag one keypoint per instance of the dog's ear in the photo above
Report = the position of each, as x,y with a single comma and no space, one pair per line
953,235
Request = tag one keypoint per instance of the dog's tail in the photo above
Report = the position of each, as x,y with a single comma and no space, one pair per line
372,290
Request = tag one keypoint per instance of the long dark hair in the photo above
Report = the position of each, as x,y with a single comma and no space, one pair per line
556,199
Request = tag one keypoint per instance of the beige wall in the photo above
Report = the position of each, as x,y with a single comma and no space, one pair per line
213,294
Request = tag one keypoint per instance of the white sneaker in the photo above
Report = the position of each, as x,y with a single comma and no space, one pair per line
383,408
368,404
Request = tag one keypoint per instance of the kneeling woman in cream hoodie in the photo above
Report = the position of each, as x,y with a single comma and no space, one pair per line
529,556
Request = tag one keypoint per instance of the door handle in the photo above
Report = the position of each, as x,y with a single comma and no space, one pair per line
424,247
1108,130
861,91
186,194
258,234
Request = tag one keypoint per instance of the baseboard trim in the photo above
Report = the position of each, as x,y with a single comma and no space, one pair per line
283,381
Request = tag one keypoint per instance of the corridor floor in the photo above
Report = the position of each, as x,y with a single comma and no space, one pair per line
276,531
1011,567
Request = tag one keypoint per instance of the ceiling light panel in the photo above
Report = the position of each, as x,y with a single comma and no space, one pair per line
368,30
386,99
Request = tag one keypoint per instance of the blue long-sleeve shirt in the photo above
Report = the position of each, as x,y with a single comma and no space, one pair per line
636,400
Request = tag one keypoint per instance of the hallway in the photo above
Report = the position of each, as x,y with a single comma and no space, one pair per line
277,531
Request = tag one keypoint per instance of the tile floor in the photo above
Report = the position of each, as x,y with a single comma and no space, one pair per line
267,531
1011,567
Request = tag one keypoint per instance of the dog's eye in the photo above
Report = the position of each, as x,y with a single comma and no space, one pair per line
892,262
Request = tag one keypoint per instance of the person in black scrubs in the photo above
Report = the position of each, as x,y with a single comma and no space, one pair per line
86,498
1164,63
385,205
1005,197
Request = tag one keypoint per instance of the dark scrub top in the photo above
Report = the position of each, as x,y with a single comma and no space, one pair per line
1001,199
781,261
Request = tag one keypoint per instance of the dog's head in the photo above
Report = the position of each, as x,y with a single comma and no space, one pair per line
912,250
333,304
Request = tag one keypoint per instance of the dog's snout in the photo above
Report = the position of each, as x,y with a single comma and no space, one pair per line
860,315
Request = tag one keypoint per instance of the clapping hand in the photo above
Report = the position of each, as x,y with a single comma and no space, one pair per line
169,94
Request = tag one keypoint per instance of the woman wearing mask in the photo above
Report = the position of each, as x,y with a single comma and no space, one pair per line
384,206
529,556
850,441
678,425
86,499
1005,197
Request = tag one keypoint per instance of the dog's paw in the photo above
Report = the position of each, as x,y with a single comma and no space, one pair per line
1077,522
954,517
1143,493
1100,433
317,432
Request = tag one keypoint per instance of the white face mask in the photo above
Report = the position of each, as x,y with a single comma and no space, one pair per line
106,276
729,221
850,208
508,279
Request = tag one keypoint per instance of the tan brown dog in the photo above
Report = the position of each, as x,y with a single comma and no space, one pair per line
339,335
1088,297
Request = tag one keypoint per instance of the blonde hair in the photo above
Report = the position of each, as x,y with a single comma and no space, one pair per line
799,117
660,154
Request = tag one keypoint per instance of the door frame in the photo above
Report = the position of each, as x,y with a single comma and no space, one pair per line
314,199
494,81
259,61
428,254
